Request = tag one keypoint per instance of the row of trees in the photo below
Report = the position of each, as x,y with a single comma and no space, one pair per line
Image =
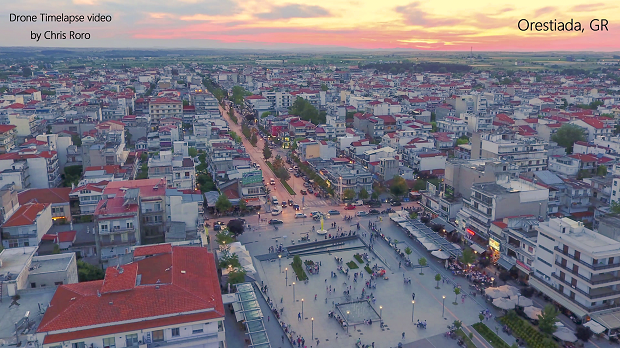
249,134
307,111
238,95
279,169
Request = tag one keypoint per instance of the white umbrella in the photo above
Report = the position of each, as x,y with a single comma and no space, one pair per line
565,334
510,290
595,327
495,293
532,312
504,303
522,301
442,255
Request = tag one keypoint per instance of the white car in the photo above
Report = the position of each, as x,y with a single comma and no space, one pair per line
300,215
272,181
358,202
361,213
276,212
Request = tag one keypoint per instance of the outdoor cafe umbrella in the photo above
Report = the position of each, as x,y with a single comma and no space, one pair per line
495,293
522,300
532,312
565,334
595,327
442,255
504,303
510,290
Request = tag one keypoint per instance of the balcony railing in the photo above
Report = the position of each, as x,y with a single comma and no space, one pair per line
117,230
587,280
115,241
596,267
611,292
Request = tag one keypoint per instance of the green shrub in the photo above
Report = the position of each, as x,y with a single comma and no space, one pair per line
523,329
359,258
368,269
298,268
490,336
352,265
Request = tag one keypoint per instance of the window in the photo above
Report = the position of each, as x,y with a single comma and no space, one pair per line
57,283
176,332
108,342
197,328
158,335
78,345
132,340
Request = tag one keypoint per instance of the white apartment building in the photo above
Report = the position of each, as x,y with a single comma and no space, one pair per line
528,153
578,268
179,171
477,123
141,304
165,107
453,125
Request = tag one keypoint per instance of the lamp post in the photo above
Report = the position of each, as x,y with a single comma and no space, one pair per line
412,309
302,308
381,314
286,275
312,328
348,321
443,306
293,291
280,262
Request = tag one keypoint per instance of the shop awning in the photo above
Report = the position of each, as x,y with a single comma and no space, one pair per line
477,248
610,320
554,295
595,327
446,225
504,263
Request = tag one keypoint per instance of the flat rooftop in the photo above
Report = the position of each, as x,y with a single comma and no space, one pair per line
14,260
29,302
50,263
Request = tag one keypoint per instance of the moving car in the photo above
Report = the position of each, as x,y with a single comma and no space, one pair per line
315,213
272,181
274,200
275,222
297,175
303,192
300,215
349,207
373,212
296,206
396,204
361,213
290,202
333,212
284,205
310,190
276,212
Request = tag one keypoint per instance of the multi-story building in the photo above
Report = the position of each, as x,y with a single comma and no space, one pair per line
453,125
57,197
130,213
179,171
27,225
344,177
514,238
477,123
9,201
42,167
577,268
110,313
165,107
529,154
205,103
8,133
88,195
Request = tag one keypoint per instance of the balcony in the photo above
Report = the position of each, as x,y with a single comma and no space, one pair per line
117,241
597,267
594,293
117,230
596,279
191,341
152,211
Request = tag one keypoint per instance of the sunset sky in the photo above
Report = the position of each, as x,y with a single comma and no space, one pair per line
280,24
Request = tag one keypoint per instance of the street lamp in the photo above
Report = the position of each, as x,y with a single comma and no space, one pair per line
348,321
286,275
312,328
443,306
412,309
381,314
280,262
293,291
302,308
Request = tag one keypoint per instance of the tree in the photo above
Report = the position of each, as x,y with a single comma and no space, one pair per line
422,262
265,114
584,173
408,251
481,317
468,256
601,170
413,215
615,207
224,237
243,205
583,333
223,204
348,194
462,140
363,194
76,140
266,151
229,259
437,279
236,227
192,152
56,249
567,135
419,185
457,291
254,139
399,186
457,323
374,195
236,276
324,87
547,319
88,272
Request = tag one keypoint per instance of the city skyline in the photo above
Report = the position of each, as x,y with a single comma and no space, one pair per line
443,26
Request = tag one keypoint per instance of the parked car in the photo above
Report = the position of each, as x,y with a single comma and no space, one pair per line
300,215
284,205
275,222
303,192
297,175
373,212
396,204
361,213
349,207
310,190
296,167
374,204
333,212
358,202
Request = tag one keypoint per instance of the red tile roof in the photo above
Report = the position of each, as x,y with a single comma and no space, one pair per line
189,283
152,250
48,195
66,236
6,127
25,215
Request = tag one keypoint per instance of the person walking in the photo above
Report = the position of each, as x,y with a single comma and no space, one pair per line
403,336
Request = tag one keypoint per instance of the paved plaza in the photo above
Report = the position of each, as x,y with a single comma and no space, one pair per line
393,298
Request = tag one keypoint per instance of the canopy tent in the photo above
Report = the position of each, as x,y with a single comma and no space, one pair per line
532,312
595,327
510,290
415,232
522,300
424,240
430,246
477,248
565,334
504,303
495,293
424,234
440,255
